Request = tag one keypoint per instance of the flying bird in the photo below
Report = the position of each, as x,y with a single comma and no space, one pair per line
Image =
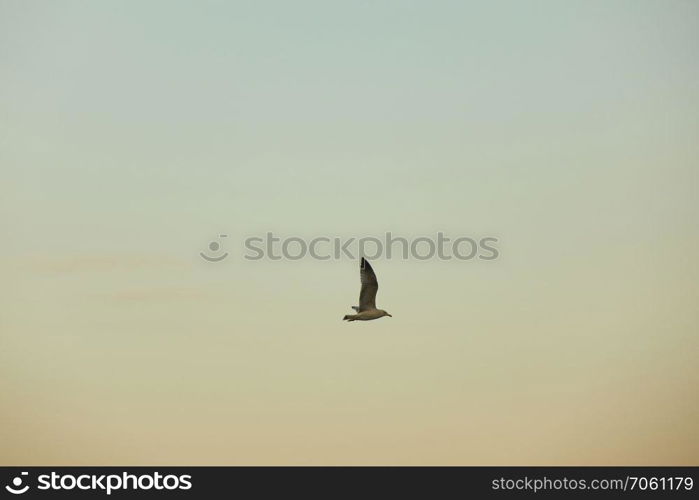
367,296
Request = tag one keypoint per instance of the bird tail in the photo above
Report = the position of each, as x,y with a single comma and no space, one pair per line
349,317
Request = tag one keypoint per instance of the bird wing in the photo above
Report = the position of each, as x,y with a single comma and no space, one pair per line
367,296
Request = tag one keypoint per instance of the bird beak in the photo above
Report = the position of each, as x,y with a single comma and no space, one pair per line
389,315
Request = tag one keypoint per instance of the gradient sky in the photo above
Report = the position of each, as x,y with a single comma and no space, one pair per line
132,133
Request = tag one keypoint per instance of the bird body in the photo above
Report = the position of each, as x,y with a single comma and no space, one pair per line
367,310
366,315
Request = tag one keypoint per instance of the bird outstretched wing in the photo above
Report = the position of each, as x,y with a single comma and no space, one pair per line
367,295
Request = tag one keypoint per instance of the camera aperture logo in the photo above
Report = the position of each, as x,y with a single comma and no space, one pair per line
103,482
215,246
16,487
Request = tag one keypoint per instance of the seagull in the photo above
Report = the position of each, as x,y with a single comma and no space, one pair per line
367,296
